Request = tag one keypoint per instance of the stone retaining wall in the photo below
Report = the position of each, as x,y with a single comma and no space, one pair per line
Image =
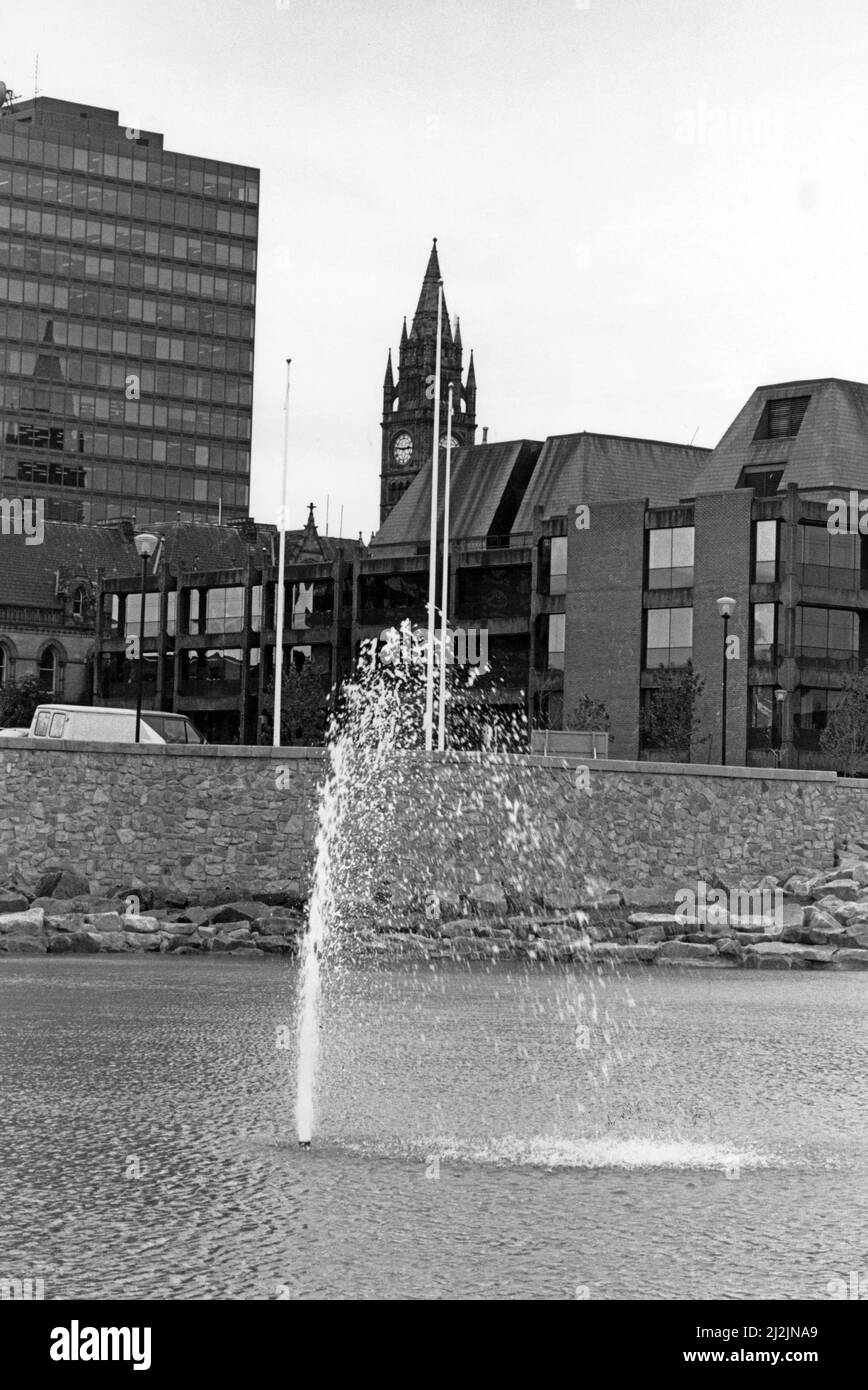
214,820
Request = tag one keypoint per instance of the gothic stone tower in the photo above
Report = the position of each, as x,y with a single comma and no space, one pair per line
408,406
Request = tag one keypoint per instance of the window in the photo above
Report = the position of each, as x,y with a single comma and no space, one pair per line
827,634
763,648
5,664
829,561
669,637
557,635
765,481
78,602
764,725
781,419
224,610
765,542
670,557
552,565
811,715
49,672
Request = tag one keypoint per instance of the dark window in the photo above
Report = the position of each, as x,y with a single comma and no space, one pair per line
781,419
764,481
827,634
765,542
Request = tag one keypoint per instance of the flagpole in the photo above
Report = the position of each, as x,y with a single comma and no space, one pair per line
281,572
444,601
432,567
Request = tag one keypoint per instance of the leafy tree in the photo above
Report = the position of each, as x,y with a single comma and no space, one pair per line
590,715
845,737
303,713
671,719
18,701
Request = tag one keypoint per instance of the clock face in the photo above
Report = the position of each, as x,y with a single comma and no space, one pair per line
402,450
445,438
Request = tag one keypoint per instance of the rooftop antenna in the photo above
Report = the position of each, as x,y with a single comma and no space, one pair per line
327,514
36,77
341,526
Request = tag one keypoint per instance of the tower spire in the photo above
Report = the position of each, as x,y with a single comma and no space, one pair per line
425,317
389,381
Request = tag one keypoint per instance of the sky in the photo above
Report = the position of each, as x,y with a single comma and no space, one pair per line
644,208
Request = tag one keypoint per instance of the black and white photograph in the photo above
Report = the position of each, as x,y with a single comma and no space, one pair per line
434,671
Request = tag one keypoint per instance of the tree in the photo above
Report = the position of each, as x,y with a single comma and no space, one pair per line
590,715
671,720
303,712
845,737
18,701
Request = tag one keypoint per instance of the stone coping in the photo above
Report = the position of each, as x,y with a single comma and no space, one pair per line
563,761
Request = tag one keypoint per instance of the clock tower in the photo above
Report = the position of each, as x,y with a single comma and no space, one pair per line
408,404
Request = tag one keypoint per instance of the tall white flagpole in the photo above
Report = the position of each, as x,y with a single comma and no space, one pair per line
444,600
281,571
432,571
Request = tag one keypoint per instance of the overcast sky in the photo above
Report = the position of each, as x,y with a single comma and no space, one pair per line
645,208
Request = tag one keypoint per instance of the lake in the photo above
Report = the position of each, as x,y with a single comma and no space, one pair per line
483,1132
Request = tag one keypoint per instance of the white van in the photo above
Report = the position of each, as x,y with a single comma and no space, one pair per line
99,724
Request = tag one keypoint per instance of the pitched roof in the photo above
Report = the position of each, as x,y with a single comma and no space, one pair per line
481,475
829,449
588,468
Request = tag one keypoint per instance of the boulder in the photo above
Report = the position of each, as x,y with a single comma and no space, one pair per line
29,923
61,882
780,955
671,923
25,945
64,921
12,901
196,915
802,885
655,898
113,941
564,899
103,921
84,942
284,925
140,941
855,934
847,959
843,888
686,950
488,900
145,926
245,911
644,936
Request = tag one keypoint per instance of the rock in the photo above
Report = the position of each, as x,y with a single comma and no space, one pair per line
276,945
84,942
730,947
686,950
237,912
850,960
140,941
564,899
488,900
113,941
282,925
779,955
66,921
196,915
645,935
143,925
802,885
819,929
174,928
240,951
843,888
25,945
29,923
61,882
12,901
671,924
655,898
103,921
855,934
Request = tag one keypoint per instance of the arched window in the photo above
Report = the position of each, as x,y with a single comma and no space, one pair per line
5,665
50,672
78,598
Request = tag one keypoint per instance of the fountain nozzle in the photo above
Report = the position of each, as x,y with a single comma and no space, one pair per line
304,1143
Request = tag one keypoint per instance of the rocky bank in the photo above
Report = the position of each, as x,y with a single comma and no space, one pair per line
813,921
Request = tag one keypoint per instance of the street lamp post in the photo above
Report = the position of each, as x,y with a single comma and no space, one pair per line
780,697
726,608
145,544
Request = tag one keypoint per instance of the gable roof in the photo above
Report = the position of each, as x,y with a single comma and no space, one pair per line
584,467
830,448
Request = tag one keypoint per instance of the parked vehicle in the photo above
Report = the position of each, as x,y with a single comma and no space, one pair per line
99,724
573,742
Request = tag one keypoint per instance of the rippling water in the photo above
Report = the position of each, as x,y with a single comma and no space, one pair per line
706,1138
